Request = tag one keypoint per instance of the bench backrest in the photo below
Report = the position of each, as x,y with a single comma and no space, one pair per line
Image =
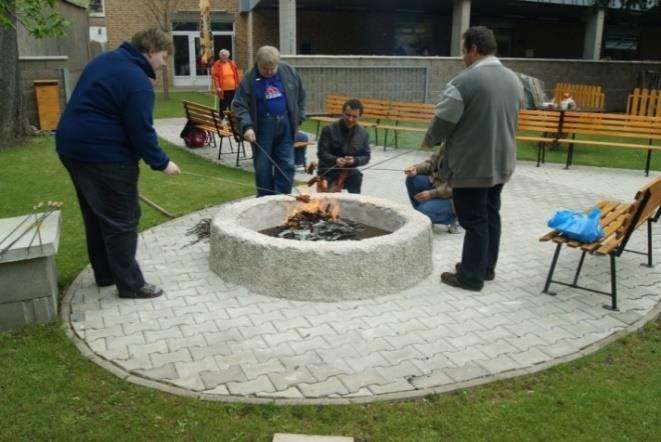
372,108
539,121
410,111
646,207
584,95
611,125
204,117
644,102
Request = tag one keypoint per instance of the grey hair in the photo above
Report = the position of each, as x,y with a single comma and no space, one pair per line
224,51
267,56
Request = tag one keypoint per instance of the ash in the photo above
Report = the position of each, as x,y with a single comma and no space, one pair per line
319,226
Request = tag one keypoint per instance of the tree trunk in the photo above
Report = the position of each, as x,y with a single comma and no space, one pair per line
13,123
166,85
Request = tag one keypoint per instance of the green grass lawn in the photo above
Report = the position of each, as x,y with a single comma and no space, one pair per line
48,391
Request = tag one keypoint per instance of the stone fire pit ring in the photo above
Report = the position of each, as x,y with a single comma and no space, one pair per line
321,270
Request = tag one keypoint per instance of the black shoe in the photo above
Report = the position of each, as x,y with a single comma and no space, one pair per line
489,277
145,292
450,278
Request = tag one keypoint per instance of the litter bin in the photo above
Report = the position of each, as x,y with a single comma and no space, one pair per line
48,103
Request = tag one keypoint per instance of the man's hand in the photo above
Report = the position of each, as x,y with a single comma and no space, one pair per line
340,161
172,169
410,171
423,196
220,93
348,160
250,136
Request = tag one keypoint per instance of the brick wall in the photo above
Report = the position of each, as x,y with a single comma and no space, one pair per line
126,17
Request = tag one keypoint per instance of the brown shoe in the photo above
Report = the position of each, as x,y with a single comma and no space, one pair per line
490,275
450,278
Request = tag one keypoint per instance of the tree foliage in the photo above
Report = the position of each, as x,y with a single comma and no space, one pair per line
39,17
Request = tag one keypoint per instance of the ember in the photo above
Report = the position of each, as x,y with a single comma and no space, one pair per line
322,225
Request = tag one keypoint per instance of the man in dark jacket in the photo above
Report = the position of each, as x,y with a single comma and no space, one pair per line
105,130
269,106
342,148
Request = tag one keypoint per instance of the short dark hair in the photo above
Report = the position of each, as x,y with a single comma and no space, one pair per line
483,39
152,40
353,103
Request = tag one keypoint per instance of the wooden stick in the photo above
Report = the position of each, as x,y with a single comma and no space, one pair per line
156,206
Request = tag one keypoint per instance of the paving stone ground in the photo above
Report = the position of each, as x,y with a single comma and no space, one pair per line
219,341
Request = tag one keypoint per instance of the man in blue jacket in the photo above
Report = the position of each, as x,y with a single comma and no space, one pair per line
105,130
270,105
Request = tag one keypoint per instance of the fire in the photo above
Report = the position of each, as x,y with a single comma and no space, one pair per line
326,208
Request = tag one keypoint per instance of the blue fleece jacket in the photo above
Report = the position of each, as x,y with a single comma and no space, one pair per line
109,117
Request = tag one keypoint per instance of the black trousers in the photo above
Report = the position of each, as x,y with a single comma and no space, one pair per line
228,96
478,211
108,198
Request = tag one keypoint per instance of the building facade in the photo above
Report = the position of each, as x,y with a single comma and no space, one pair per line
561,29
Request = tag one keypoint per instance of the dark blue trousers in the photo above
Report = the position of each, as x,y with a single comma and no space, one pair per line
478,210
108,198
276,148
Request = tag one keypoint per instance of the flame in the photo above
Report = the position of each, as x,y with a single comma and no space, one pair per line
322,206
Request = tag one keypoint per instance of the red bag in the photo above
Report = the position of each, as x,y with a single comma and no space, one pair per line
196,137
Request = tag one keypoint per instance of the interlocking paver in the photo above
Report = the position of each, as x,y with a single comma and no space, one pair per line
254,370
167,333
356,381
466,372
433,379
211,379
530,357
285,379
429,336
258,385
122,342
500,364
146,349
322,389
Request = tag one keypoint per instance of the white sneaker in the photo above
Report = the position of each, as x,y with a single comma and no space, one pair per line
454,228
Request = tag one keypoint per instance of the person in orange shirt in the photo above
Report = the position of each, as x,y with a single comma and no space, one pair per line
225,77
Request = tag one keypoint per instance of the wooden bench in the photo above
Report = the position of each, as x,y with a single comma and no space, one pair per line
211,121
538,126
644,102
235,129
591,129
584,95
407,112
619,221
373,109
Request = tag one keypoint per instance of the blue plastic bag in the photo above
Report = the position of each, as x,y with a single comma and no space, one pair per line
578,225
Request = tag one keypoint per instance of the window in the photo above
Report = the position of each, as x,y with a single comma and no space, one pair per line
97,8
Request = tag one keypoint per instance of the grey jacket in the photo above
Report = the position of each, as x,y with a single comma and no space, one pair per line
245,103
477,117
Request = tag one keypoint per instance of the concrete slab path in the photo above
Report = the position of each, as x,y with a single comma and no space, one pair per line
217,341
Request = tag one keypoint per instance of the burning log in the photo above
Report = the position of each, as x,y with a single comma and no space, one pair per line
322,224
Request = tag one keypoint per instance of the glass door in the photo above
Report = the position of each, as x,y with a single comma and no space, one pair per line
188,68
